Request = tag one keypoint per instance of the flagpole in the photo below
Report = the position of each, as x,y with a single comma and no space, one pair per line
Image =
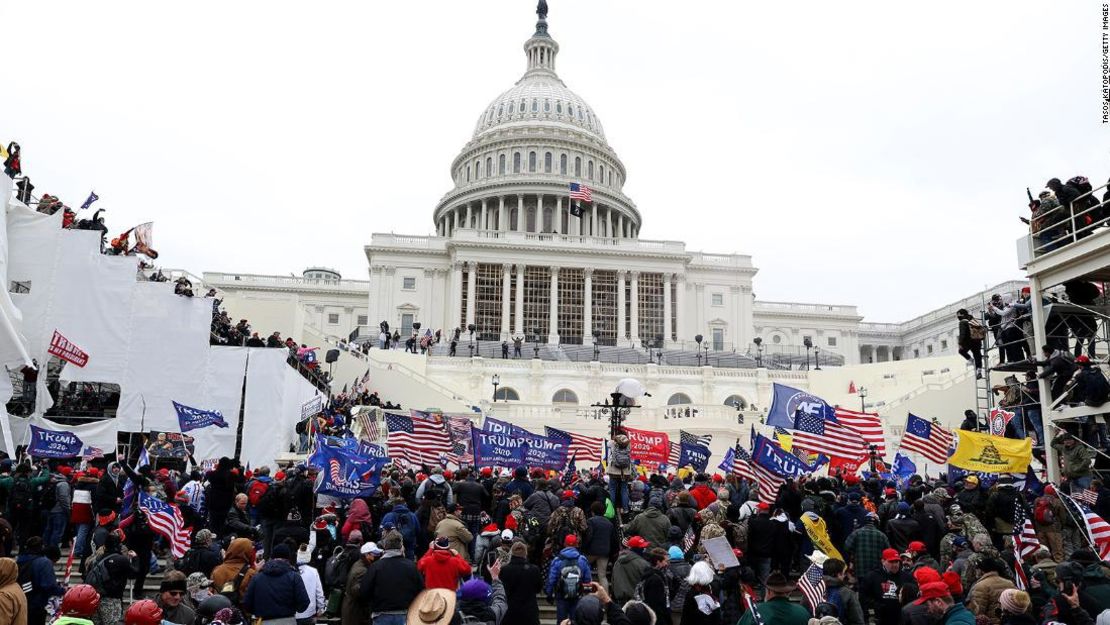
1082,523
1080,440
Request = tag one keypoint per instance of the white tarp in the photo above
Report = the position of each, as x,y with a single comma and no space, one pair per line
34,240
275,394
13,344
222,390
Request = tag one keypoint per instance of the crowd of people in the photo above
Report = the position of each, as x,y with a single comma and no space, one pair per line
1065,211
490,544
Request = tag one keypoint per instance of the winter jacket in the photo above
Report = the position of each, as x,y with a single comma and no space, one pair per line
680,569
119,571
958,615
657,594
566,557
703,495
982,599
40,572
439,481
391,583
405,522
523,581
13,603
443,569
598,539
239,552
108,493
471,497
314,588
1076,461
455,532
651,525
354,609
902,530
358,518
276,592
541,504
681,515
181,614
851,610
627,572
486,612
239,523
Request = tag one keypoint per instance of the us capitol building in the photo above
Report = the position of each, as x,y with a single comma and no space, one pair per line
588,297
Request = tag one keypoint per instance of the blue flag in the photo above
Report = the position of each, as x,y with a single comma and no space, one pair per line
902,469
195,418
782,463
694,455
50,444
503,427
726,464
89,202
788,401
541,451
497,449
346,473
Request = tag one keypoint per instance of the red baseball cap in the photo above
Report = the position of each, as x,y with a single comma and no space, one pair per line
571,541
891,555
932,590
917,546
637,542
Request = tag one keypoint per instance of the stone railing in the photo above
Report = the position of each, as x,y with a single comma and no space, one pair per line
570,240
247,280
794,307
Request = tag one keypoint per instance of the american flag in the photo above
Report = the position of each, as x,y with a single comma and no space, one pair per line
866,425
570,475
460,429
693,439
580,192
749,603
165,519
1088,496
822,436
688,539
416,441
368,419
769,483
1025,543
584,448
1098,530
928,439
739,463
812,585
674,454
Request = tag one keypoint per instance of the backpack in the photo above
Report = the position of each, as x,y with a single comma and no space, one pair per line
270,502
622,457
337,568
25,577
1042,511
436,492
231,589
47,496
256,491
190,562
1004,505
1097,387
530,528
570,576
21,498
976,330
835,599
97,575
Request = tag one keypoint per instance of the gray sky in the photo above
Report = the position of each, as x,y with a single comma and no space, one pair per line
872,153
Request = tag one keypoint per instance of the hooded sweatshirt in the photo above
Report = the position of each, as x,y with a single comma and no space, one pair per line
276,592
13,603
239,552
443,569
43,582
566,556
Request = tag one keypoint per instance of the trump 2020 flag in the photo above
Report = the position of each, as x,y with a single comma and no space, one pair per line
348,472
50,444
195,418
695,455
89,201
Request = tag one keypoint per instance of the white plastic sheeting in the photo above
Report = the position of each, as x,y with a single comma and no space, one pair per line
272,408
13,344
34,241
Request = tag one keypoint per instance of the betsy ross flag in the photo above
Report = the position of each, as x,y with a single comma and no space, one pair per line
584,448
865,424
579,193
823,436
928,439
416,441
165,519
812,585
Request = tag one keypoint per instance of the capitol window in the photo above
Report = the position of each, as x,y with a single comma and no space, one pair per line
718,299
601,173
679,399
408,283
477,168
559,107
500,110
333,319
570,110
832,341
522,106
943,344
516,162
362,320
535,105
577,166
547,163
564,396
501,164
591,170
776,339
547,106
489,166
468,173
532,161
563,164
506,394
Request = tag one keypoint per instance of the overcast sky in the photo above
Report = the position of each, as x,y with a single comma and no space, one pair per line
872,153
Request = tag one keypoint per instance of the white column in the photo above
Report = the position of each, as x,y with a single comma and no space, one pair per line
520,213
553,317
471,290
468,222
539,212
574,224
593,219
557,218
620,225
609,222
681,331
738,330
482,225
667,309
634,292
518,323
620,307
506,290
451,224
456,297
588,307
502,218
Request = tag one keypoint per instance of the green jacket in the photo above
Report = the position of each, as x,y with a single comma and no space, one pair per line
1077,460
7,481
778,611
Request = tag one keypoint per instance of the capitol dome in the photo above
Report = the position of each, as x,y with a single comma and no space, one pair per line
530,144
